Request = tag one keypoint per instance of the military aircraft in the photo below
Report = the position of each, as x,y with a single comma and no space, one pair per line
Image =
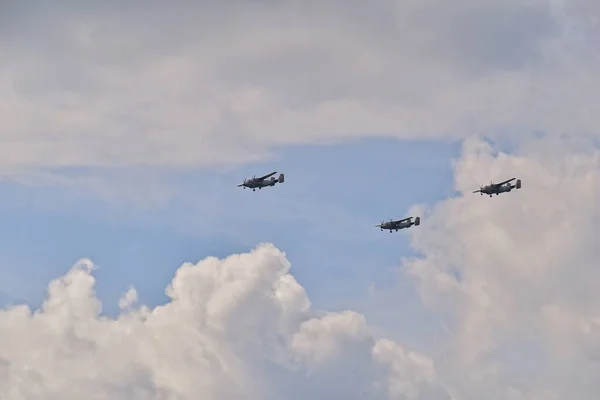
497,188
262,181
399,224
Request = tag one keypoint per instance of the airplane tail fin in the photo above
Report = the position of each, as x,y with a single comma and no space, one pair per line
281,178
417,221
518,185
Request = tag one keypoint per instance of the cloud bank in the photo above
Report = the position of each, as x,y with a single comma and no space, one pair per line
241,327
189,84
514,277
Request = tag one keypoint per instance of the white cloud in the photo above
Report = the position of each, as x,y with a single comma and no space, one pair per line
212,82
129,298
408,371
239,327
516,275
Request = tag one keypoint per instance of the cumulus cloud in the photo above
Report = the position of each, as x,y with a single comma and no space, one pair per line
515,276
211,82
239,327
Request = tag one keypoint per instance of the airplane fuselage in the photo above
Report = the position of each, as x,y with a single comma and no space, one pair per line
490,190
259,184
395,225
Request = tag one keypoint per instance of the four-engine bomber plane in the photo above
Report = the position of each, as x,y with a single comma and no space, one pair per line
399,224
262,181
497,188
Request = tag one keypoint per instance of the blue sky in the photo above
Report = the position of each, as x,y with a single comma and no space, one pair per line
331,201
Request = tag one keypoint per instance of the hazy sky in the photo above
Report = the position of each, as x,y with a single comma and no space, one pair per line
132,267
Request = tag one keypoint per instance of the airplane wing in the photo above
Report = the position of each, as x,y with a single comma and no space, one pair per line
477,191
240,185
402,220
506,181
266,176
